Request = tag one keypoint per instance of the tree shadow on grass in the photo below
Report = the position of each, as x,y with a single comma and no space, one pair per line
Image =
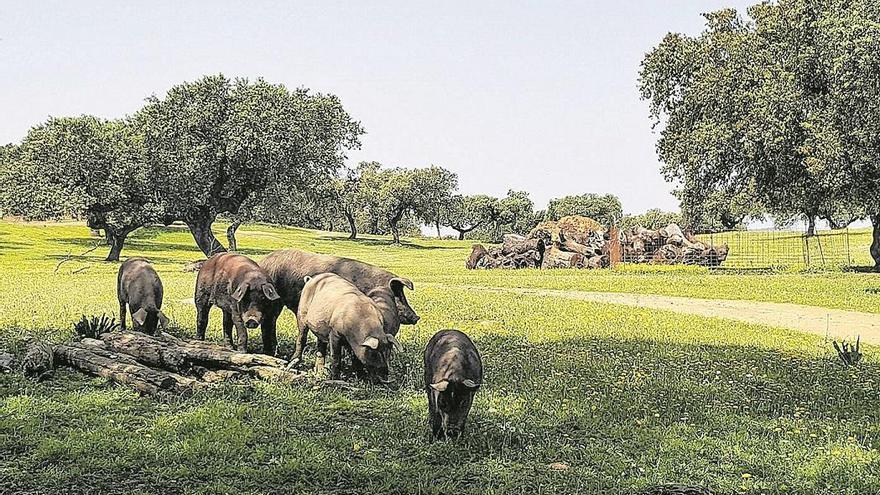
380,242
619,413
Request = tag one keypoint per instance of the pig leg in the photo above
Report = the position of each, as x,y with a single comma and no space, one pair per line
434,418
202,309
227,327
240,333
335,355
268,331
122,308
320,356
301,340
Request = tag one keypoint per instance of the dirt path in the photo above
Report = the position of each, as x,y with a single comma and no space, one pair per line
835,323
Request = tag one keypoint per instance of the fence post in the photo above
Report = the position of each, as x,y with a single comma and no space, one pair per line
806,245
846,241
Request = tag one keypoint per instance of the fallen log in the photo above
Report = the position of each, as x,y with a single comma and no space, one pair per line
146,349
168,351
557,258
142,378
518,245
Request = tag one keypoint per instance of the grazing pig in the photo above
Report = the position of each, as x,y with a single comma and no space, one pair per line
339,314
453,374
289,267
239,287
139,288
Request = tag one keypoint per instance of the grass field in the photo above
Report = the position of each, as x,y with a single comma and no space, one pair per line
624,397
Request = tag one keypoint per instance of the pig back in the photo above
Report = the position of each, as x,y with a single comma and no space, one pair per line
451,355
223,273
288,268
138,282
328,299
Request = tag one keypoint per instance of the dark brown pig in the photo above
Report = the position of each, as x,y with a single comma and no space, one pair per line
238,286
453,374
139,289
289,267
341,315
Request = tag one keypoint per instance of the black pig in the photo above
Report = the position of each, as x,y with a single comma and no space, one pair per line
453,374
139,288
239,287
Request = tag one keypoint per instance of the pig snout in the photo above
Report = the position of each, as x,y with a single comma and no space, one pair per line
406,314
252,318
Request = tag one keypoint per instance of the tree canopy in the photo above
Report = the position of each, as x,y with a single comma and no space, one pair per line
786,103
217,142
467,213
605,209
83,167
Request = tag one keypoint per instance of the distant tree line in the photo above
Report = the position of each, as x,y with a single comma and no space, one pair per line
778,113
246,151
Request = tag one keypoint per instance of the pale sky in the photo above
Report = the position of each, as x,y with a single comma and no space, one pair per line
540,96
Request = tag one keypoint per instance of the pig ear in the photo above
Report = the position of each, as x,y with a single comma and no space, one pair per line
371,342
395,344
403,281
139,316
239,293
440,386
470,383
163,320
269,291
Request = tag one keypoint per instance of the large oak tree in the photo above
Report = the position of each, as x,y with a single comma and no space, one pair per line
217,142
787,102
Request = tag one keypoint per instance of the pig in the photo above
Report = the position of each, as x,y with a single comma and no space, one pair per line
289,267
453,374
339,314
245,293
139,289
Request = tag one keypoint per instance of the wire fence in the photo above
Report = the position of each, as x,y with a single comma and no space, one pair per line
781,249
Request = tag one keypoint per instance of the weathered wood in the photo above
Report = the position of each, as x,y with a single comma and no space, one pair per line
175,353
575,247
518,245
270,373
141,378
38,361
478,252
146,349
557,258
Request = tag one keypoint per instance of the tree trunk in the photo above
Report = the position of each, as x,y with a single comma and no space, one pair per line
200,227
230,235
394,232
875,244
811,225
116,240
352,226
437,222
460,235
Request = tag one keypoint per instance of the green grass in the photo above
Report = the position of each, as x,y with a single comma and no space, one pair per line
626,397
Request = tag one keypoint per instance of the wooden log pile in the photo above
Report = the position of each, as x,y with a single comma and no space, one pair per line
581,242
152,364
670,246
571,242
